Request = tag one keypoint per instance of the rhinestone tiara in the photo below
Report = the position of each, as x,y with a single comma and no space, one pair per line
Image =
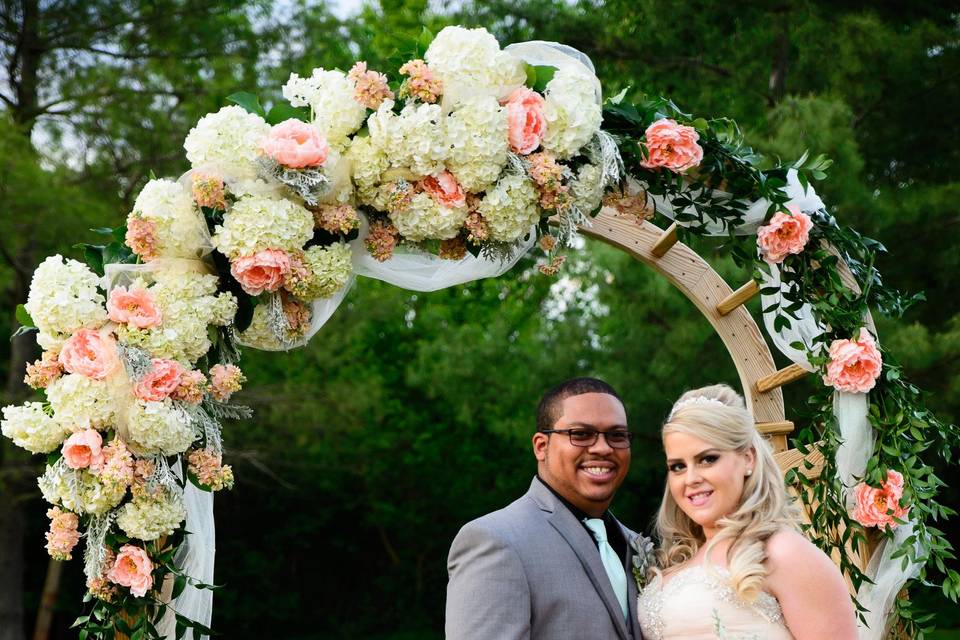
689,402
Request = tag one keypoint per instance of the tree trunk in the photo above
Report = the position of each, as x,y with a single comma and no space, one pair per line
51,589
11,566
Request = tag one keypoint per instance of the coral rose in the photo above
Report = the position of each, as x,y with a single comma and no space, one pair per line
785,234
84,449
445,190
672,146
160,382
878,507
132,568
854,365
296,144
90,354
136,307
526,124
262,271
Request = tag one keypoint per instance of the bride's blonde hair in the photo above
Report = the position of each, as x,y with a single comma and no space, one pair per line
721,419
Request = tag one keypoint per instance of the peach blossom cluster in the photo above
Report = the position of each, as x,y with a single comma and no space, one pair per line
118,464
44,371
336,218
63,535
421,82
141,237
553,267
225,380
370,87
209,192
548,243
855,364
296,144
91,354
399,195
785,234
453,249
547,175
298,315
477,228
143,470
672,146
136,307
209,469
381,240
132,569
875,507
191,387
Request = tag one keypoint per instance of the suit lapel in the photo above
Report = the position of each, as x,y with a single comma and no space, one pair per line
632,593
585,549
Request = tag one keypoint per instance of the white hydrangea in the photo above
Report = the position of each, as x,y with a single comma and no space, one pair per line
368,162
179,228
330,268
227,143
80,402
153,515
587,188
158,427
30,427
189,303
414,139
470,62
79,490
51,341
424,219
255,223
477,135
329,94
64,297
260,334
510,208
572,112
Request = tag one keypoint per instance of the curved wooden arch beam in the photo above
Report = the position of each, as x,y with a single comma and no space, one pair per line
703,286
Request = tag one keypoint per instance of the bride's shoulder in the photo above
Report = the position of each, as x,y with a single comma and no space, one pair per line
791,557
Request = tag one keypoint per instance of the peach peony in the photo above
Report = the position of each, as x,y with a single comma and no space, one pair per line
84,449
445,190
854,365
672,146
296,144
136,307
161,381
526,124
132,569
785,234
90,354
878,507
262,271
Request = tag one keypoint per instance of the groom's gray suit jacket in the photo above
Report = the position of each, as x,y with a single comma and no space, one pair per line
531,571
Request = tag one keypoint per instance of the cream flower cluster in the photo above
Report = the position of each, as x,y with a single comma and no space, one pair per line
424,218
256,223
80,402
179,230
477,135
470,62
330,96
64,297
414,139
79,490
227,143
150,516
369,162
587,188
260,334
330,269
510,208
572,112
30,427
158,427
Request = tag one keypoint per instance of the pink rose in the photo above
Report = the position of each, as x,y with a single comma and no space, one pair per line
136,307
878,507
445,190
785,234
132,568
672,146
296,144
854,365
526,124
90,354
84,449
161,381
263,271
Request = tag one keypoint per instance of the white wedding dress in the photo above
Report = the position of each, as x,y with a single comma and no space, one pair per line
698,603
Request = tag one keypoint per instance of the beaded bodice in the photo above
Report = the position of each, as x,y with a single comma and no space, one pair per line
700,603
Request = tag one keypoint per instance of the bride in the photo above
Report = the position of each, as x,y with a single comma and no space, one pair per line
731,561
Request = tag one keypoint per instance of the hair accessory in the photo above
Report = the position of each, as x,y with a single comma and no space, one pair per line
694,401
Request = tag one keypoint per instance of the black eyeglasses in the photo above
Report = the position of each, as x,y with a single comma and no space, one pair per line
618,439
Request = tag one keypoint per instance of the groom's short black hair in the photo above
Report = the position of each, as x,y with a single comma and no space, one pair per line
549,410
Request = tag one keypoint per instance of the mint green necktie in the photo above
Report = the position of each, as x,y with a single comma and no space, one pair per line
613,565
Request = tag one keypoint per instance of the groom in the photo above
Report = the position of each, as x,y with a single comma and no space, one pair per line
555,564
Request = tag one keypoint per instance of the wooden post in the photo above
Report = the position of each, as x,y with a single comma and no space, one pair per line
738,297
667,239
784,376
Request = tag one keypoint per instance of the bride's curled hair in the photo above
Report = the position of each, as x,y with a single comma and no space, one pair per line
717,415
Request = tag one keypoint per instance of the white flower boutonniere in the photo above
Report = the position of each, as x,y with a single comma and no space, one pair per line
642,557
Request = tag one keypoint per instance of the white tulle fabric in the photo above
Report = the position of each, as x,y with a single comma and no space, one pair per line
560,56
849,409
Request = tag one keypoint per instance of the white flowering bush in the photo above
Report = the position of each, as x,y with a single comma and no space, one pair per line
79,402
158,428
79,490
572,112
177,226
64,297
477,134
227,143
257,223
150,516
30,427
470,61
510,208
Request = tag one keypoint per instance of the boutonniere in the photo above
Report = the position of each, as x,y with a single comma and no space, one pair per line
642,557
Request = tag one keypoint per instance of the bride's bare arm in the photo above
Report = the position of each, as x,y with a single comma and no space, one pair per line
812,593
